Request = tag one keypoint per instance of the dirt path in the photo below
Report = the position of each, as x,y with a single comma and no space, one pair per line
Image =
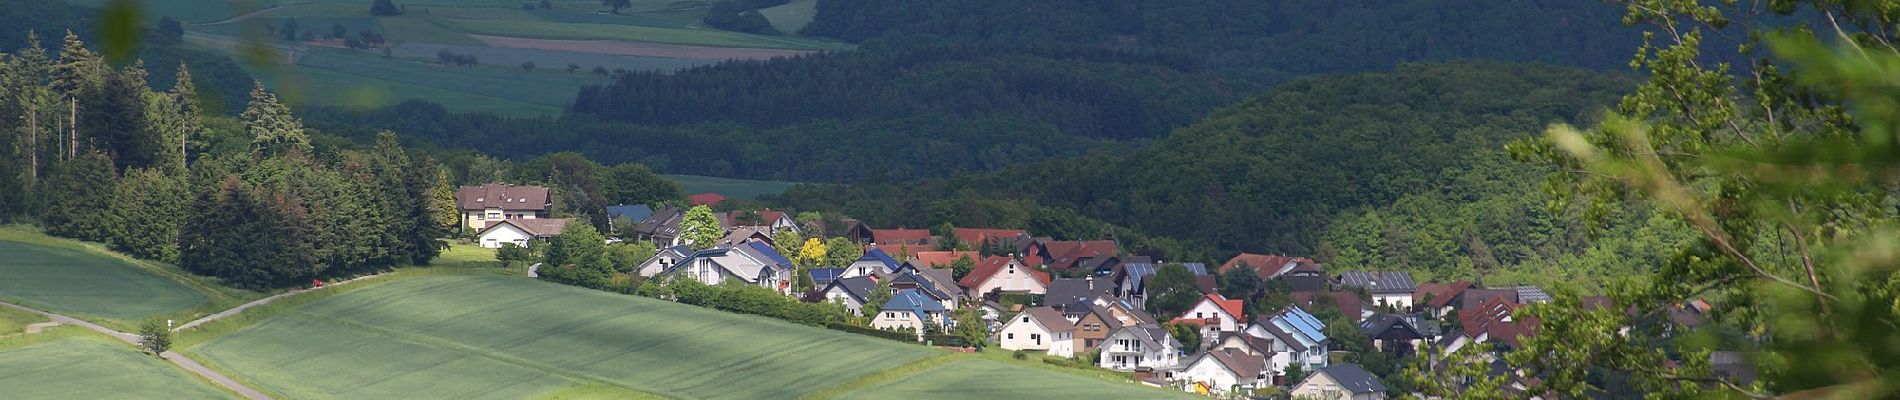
182,362
259,302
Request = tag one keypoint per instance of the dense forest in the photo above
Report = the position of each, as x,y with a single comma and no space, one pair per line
1292,36
223,86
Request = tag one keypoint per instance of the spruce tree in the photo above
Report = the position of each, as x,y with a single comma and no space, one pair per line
148,209
76,191
114,120
273,130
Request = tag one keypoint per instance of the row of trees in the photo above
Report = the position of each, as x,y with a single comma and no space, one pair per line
96,155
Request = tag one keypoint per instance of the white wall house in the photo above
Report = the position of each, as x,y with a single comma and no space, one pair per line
909,309
750,263
1215,313
1039,329
1295,337
663,259
1341,382
1224,372
1005,274
483,206
1134,347
518,232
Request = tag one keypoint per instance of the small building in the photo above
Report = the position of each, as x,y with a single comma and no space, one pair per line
663,259
1293,337
519,232
822,277
851,292
1222,372
1143,346
752,263
909,309
1388,288
1342,382
1215,314
1395,334
996,273
1041,329
488,204
874,262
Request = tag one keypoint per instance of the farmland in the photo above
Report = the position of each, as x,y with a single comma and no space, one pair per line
70,363
693,37
510,338
734,188
988,379
83,282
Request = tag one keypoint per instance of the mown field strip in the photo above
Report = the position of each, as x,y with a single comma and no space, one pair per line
67,363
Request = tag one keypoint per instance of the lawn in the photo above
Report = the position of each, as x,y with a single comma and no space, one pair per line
89,285
549,61
733,188
791,17
15,321
467,255
688,37
69,363
503,337
187,11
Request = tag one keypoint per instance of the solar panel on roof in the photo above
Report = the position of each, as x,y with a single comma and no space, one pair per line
1196,268
1306,323
1140,269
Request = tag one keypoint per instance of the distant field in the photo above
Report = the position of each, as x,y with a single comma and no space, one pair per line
690,37
84,366
501,337
986,379
314,86
549,60
733,188
85,284
544,86
188,11
791,17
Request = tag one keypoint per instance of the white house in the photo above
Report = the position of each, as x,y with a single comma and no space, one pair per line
851,292
519,232
663,259
1146,346
1215,314
1342,382
488,204
1293,337
909,309
1039,328
751,263
1223,372
873,262
1387,288
996,273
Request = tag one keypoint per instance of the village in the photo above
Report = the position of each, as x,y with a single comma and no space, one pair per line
1090,300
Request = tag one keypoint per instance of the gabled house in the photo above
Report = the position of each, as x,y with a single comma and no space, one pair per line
488,204
1294,336
1492,321
1066,255
895,237
1343,382
1388,288
1272,266
851,292
856,231
1398,335
942,259
1214,314
874,262
1064,291
1347,303
1221,372
1106,265
751,263
1244,343
1041,329
663,259
908,279
821,277
662,227
1141,346
774,221
911,309
519,232
1131,279
1437,299
982,237
1003,274
748,234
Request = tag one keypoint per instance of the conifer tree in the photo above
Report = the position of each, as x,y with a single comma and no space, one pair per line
273,130
76,191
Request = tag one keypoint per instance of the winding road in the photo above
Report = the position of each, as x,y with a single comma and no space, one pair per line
182,362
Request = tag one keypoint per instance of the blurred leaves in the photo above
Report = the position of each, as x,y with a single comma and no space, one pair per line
119,26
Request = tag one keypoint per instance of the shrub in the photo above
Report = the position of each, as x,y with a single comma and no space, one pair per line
861,330
1020,355
154,336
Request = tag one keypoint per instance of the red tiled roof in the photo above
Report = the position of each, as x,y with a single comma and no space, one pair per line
1207,283
1067,253
989,266
1490,316
976,236
706,199
505,197
943,258
900,236
901,250
1233,307
1441,293
1268,265
769,216
1348,303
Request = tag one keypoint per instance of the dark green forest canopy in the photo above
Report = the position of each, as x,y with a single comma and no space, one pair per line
1270,173
222,83
1310,36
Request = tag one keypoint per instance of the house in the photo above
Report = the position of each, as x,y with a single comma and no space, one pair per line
1271,266
1131,279
821,277
663,259
1343,381
852,292
1347,303
1105,265
751,263
908,279
1244,343
1096,318
775,221
981,237
1139,346
1224,371
943,259
858,232
1214,314
1039,328
894,237
748,234
706,199
1293,337
519,232
1492,320
1063,291
873,262
943,278
1437,298
662,227
909,309
485,205
1398,335
1003,274
1388,288
1066,255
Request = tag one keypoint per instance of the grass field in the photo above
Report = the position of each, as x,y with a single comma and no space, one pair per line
549,61
733,188
88,285
690,37
791,17
988,379
187,11
71,363
316,86
501,337
15,321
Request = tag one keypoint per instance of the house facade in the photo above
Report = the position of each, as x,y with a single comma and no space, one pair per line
485,205
909,309
751,263
1134,347
1215,314
519,232
996,273
1039,329
874,262
1341,382
1221,372
851,292
1293,337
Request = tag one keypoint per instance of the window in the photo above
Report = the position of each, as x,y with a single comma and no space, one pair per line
1010,336
1197,315
1036,337
1025,319
890,315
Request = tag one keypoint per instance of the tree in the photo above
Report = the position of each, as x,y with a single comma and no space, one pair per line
812,254
1172,291
947,238
170,29
527,66
1240,283
571,67
699,229
1188,334
840,252
602,71
627,256
636,184
148,210
577,256
617,4
154,336
443,210
874,301
75,193
115,121
1294,373
273,130
289,30
961,267
337,31
510,254
384,8
970,328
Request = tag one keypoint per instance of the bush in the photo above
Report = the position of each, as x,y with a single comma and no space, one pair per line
946,340
1020,355
868,331
154,336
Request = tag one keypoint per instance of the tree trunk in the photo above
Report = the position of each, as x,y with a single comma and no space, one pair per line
72,143
33,144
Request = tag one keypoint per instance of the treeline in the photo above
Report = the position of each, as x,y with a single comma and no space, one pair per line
1293,36
742,16
222,84
94,154
1276,173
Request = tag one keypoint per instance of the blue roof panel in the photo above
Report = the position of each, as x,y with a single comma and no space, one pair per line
771,253
1309,326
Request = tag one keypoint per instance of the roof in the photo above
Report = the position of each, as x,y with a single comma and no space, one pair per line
1379,282
706,199
976,236
1269,266
664,222
824,276
771,254
537,227
1531,294
1474,297
1050,319
505,197
924,283
858,287
1242,364
1353,378
1378,324
876,254
943,258
1233,307
1303,322
740,234
1150,335
989,266
913,301
1207,283
900,236
635,212
1069,290
770,216
1441,294
1065,254
1348,303
1302,283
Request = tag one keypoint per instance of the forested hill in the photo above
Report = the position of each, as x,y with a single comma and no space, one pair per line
1271,172
1292,36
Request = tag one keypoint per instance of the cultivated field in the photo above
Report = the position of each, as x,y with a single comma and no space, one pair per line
791,17
987,379
733,188
86,284
688,37
500,337
70,363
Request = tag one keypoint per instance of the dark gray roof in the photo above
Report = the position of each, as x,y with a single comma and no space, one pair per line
923,282
1065,291
665,222
1379,282
1354,379
1531,294
1244,365
1304,283
858,287
1380,323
